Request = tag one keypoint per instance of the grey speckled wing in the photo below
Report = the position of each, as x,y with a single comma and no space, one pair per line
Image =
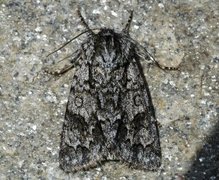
138,133
109,115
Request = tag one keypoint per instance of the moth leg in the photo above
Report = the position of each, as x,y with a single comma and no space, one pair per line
144,54
63,65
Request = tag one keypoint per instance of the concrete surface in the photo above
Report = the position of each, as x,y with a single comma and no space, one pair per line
186,101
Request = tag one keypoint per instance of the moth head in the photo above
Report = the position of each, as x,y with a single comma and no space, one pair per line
107,36
106,32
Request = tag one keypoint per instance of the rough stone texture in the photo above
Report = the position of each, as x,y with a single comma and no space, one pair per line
33,103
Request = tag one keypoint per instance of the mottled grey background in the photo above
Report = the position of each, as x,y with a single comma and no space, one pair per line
33,103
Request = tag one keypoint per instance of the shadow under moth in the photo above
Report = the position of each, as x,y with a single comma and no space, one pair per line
109,114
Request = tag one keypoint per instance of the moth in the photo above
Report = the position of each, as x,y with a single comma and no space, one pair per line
109,114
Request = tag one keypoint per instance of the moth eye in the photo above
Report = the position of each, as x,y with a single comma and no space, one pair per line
79,101
137,100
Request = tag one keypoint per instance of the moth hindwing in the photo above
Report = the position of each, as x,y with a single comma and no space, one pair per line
109,114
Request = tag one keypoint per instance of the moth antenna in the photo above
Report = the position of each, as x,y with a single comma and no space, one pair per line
128,24
83,22
66,43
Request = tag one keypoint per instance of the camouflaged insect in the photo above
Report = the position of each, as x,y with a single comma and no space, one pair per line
109,114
